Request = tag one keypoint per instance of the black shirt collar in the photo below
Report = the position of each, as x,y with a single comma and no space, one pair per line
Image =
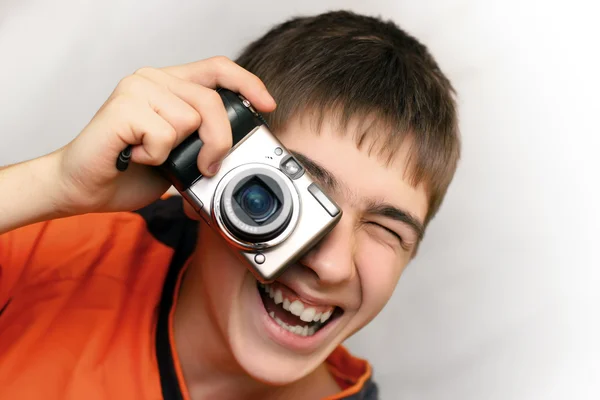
183,232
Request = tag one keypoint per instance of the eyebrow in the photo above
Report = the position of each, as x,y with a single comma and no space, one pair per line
319,172
386,210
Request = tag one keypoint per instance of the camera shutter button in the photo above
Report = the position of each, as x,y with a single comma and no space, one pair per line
259,258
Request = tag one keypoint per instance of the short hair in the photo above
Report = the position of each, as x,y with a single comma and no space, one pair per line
357,67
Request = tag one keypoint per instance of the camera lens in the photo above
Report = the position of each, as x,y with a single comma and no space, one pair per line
257,200
256,204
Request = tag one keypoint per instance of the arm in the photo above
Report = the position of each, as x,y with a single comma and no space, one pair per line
29,192
151,111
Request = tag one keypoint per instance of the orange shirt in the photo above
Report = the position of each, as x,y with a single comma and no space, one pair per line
85,304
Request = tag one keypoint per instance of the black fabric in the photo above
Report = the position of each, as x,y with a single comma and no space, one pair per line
167,223
165,220
369,392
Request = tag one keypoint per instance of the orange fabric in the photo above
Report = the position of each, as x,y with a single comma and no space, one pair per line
350,372
78,309
181,380
80,322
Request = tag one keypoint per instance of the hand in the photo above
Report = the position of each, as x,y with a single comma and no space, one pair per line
153,110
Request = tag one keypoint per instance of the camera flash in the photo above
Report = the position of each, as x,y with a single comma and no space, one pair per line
291,167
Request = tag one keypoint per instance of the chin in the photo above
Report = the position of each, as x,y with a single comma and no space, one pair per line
270,350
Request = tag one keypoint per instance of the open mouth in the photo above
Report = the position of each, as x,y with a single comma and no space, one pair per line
292,314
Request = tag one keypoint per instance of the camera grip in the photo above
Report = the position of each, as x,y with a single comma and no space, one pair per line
181,167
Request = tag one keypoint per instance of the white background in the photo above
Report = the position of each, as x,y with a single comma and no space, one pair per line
502,302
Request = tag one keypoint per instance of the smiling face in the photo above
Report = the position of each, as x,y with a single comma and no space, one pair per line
281,332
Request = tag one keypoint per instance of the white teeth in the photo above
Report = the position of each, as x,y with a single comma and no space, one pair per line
272,314
308,314
298,330
305,313
286,304
297,308
278,297
326,316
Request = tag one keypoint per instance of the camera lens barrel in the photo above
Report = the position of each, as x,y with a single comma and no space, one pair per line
256,205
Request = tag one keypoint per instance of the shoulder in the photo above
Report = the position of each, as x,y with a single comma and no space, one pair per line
70,247
76,290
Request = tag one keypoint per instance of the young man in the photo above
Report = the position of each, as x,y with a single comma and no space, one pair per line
108,292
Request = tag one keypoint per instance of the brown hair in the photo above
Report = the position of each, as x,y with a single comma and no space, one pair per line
348,65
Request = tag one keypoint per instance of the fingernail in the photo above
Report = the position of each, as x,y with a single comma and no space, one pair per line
214,168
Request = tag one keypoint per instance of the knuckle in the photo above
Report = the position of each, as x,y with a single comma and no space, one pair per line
257,80
221,60
170,139
130,84
214,98
162,146
120,103
256,83
144,71
219,140
192,120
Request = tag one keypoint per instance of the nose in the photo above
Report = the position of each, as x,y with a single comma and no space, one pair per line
332,259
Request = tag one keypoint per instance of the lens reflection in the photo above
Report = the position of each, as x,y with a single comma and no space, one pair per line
257,201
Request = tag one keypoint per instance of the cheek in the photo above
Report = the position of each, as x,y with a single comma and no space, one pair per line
379,270
221,273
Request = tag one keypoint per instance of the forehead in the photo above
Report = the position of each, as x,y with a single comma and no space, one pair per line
363,174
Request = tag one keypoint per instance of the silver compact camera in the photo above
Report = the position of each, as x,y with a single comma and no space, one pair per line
262,201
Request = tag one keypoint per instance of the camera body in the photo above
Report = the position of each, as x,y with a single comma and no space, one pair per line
262,201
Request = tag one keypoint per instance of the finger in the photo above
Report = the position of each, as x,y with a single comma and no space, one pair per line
215,133
222,72
215,128
151,135
184,118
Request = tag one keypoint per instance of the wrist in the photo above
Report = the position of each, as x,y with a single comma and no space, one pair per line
57,204
31,192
